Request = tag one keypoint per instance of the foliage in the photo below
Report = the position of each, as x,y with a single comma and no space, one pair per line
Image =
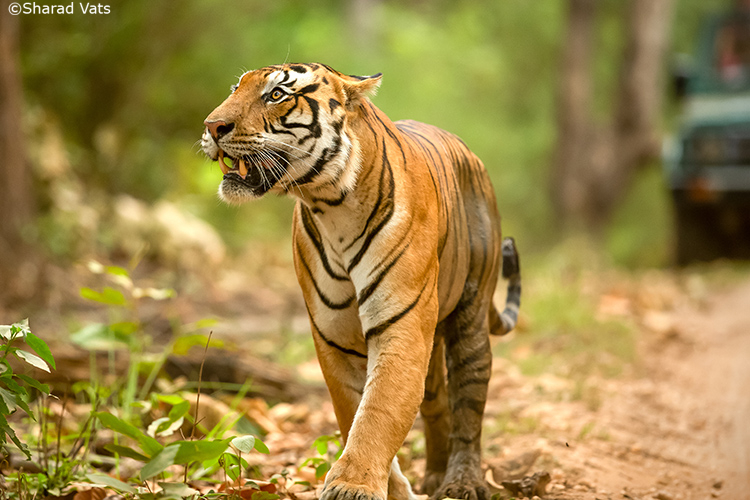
200,458
132,88
153,444
56,470
125,330
14,393
123,299
158,457
329,449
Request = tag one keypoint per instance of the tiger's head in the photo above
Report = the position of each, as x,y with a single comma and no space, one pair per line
285,129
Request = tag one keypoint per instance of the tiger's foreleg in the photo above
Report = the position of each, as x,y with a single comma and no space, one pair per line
398,352
346,388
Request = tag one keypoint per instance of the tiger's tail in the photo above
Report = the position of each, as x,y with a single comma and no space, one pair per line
504,322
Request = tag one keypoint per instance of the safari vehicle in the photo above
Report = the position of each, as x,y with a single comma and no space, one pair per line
708,165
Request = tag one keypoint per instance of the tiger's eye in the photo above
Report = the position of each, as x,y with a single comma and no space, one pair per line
277,94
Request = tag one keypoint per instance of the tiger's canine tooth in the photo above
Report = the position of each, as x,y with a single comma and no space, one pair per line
243,168
222,165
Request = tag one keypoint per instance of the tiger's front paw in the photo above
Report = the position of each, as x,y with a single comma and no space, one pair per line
466,485
344,491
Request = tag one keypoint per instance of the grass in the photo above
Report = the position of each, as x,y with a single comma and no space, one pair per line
560,331
508,423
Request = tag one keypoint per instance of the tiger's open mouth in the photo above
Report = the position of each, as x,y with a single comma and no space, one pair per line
254,171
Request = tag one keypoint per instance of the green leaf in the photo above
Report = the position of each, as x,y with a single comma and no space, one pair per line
89,294
43,388
20,396
98,336
170,399
6,429
179,410
313,461
124,329
183,452
113,297
108,296
231,465
321,447
321,444
125,452
199,451
321,470
117,271
116,484
41,348
118,425
8,401
148,444
261,447
245,444
13,386
160,462
208,467
32,359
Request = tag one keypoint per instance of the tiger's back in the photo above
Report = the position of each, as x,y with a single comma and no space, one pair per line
469,223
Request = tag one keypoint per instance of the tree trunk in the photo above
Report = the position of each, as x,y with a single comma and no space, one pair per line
594,163
569,186
16,201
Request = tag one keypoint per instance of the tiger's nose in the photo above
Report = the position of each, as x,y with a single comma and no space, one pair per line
218,128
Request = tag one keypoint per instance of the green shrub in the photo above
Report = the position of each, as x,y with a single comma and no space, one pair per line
14,387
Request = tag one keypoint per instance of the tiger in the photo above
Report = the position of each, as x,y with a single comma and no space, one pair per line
397,249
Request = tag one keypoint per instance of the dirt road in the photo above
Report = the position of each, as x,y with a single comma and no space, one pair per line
674,426
678,429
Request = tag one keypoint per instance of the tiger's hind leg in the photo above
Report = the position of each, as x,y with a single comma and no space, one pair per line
436,418
469,362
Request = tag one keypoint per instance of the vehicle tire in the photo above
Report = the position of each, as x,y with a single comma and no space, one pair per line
698,235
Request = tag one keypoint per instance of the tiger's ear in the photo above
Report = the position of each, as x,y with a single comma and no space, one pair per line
356,88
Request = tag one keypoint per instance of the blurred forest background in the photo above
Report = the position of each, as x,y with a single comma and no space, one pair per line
115,245
101,114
